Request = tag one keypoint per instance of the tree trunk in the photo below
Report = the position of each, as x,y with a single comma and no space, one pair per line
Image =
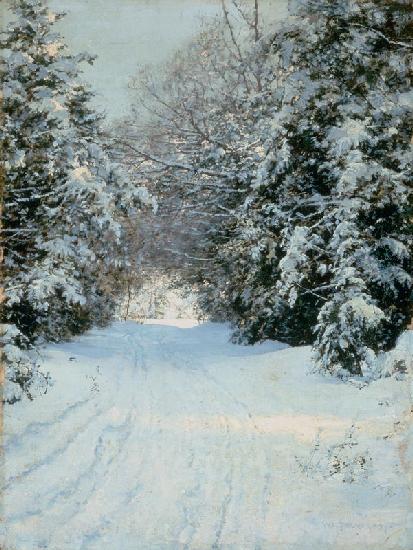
256,38
2,294
256,29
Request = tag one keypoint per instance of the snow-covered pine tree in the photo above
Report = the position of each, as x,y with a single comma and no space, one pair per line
29,162
369,154
331,201
286,191
63,197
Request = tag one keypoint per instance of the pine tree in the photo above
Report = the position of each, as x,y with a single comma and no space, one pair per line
370,155
330,206
275,253
63,196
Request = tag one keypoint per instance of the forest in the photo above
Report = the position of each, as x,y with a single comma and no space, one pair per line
271,176
262,178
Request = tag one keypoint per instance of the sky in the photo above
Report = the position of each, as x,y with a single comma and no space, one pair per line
126,35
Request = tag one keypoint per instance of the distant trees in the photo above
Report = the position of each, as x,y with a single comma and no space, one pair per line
62,199
201,143
282,159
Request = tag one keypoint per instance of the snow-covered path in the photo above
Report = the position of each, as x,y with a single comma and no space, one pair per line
161,437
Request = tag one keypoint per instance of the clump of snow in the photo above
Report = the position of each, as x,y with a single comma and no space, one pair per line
398,361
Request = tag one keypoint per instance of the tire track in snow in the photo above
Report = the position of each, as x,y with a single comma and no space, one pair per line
187,529
229,479
117,510
32,429
93,535
265,479
59,452
180,462
47,503
188,399
56,453
97,478
265,500
147,359
103,459
177,360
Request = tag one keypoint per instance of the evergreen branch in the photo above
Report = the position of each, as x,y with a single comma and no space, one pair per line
382,35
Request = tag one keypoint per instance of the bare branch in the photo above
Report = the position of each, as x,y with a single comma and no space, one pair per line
179,166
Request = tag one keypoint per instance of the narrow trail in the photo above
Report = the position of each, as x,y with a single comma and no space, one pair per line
158,437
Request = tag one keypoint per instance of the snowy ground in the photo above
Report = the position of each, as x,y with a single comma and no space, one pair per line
160,437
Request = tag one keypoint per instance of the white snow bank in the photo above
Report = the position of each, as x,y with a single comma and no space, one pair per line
165,436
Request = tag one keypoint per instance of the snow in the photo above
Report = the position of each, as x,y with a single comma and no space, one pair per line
166,436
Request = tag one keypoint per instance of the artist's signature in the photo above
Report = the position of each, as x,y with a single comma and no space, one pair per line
345,524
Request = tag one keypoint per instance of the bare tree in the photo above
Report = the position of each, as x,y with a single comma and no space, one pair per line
201,139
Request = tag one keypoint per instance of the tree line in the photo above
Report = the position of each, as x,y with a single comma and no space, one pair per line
280,156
